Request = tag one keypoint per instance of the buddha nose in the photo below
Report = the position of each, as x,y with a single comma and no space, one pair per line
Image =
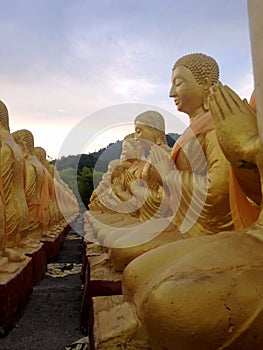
172,91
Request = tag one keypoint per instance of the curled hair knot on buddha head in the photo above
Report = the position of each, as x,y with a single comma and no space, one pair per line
200,65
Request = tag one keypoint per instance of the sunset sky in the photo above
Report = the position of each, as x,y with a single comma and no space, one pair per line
76,72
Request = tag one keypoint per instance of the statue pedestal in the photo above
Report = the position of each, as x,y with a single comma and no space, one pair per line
16,285
39,260
100,280
52,245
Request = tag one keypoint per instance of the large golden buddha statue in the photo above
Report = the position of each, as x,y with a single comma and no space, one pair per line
218,277
13,180
197,184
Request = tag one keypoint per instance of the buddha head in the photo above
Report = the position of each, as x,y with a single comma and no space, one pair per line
18,137
29,140
131,148
4,117
150,129
192,77
41,155
25,139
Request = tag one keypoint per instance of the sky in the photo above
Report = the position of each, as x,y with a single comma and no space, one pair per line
76,72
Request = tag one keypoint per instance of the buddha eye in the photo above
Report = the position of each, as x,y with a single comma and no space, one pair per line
178,82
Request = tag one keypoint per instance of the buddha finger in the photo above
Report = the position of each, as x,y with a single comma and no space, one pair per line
215,110
224,101
236,103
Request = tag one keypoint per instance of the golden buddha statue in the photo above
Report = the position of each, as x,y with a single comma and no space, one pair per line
47,194
34,180
150,130
218,277
141,180
62,202
112,202
13,184
103,198
103,202
112,194
67,206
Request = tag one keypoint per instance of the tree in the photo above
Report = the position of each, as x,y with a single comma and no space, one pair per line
86,184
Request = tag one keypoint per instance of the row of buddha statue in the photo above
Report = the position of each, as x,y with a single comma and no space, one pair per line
34,201
185,224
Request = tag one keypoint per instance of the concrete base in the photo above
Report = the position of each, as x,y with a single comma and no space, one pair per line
53,245
16,285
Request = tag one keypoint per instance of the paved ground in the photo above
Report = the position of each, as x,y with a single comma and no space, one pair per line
52,318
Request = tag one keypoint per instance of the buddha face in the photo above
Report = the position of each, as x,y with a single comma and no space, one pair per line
129,149
187,93
145,134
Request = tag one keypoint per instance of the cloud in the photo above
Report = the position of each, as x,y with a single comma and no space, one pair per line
64,60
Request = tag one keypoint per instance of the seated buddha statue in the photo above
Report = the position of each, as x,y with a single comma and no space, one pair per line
219,276
196,181
112,193
103,187
13,184
143,184
112,202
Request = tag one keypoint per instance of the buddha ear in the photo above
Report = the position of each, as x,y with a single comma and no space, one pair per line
158,140
206,82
